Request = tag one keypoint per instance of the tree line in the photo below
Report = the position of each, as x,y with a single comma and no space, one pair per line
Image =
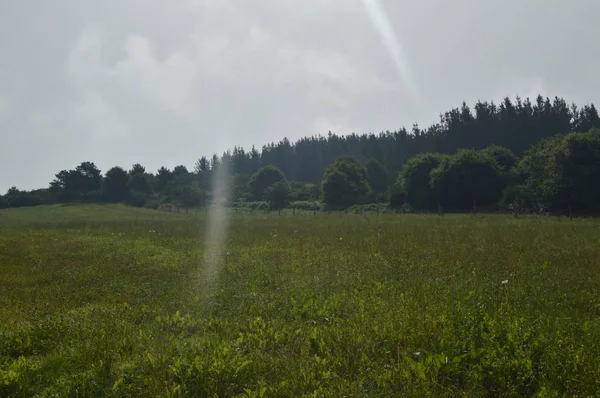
517,155
560,174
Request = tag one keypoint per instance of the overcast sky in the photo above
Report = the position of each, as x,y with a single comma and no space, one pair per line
164,82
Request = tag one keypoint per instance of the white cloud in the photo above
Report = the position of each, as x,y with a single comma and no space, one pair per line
169,83
102,122
238,59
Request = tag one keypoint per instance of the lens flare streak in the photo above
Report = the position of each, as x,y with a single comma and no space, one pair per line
217,228
383,26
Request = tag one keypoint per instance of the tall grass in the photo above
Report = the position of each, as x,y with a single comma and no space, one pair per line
108,300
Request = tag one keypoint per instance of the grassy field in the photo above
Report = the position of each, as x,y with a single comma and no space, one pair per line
113,301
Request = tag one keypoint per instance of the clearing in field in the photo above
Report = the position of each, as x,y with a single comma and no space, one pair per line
110,300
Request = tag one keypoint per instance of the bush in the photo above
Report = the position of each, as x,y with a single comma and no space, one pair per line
370,208
517,199
263,179
278,194
259,205
154,201
138,199
397,196
564,171
306,205
415,180
345,184
505,158
305,192
467,180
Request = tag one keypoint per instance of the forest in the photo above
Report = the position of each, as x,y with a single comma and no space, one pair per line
518,156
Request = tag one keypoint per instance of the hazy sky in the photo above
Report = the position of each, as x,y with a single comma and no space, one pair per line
165,82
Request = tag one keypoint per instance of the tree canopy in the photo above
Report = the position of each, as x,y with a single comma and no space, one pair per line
505,158
263,179
541,146
467,180
115,187
377,175
345,183
415,181
79,183
564,171
278,194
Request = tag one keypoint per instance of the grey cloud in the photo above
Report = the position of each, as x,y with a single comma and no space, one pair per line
163,83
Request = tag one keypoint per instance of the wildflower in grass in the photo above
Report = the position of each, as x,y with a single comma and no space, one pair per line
504,282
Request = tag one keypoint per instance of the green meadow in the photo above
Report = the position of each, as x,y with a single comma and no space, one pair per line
116,301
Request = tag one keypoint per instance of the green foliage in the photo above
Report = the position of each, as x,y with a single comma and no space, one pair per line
202,165
190,195
260,205
414,180
580,165
377,175
65,185
139,183
138,199
306,205
89,179
263,179
517,198
137,169
373,208
17,198
154,201
82,183
345,183
564,171
278,194
398,197
163,177
180,171
536,168
305,192
240,188
109,300
505,158
466,180
115,187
